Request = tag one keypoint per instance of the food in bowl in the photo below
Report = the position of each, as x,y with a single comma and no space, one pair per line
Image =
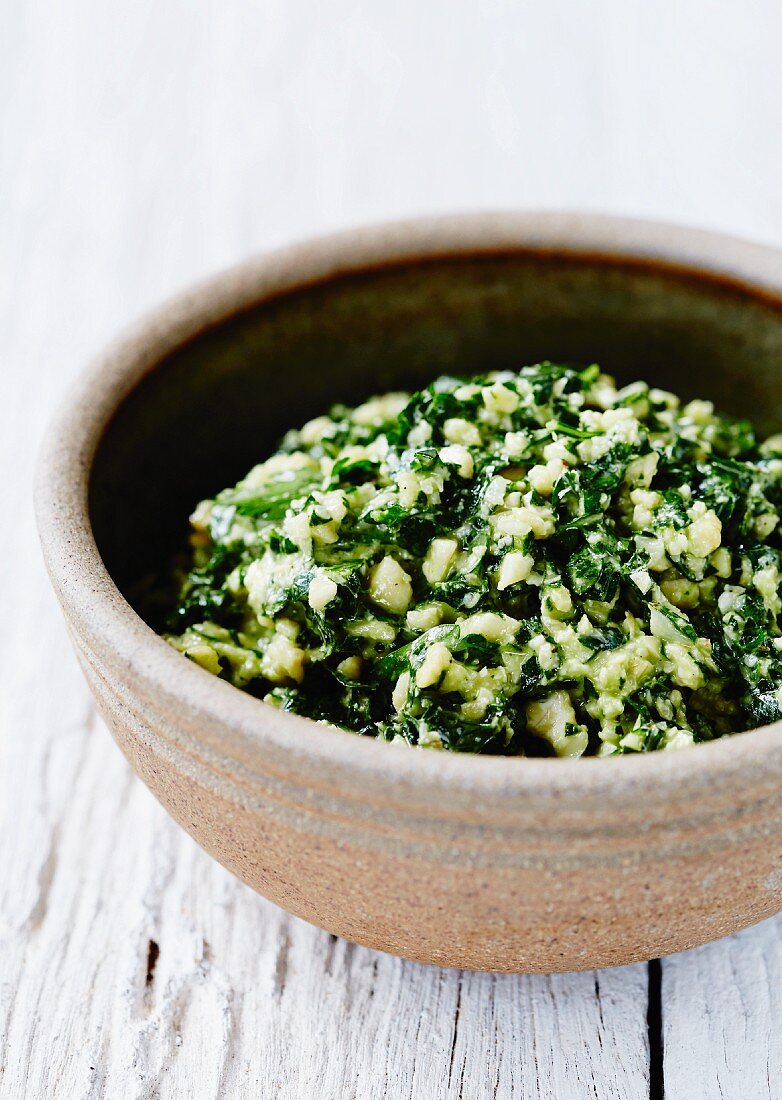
519,563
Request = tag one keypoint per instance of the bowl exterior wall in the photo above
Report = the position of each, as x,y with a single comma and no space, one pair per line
441,891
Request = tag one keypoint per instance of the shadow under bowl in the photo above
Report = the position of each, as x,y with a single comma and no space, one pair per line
488,863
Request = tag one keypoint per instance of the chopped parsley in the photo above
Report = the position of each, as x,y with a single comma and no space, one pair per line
519,563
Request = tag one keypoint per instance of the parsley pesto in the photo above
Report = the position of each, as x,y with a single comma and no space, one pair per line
519,563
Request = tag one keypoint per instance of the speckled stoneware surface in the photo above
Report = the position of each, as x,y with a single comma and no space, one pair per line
491,863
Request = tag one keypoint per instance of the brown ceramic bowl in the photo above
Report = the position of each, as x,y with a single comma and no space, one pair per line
490,863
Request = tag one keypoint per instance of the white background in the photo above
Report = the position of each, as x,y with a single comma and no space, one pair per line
143,145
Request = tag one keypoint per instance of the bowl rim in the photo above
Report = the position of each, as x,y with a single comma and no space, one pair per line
229,721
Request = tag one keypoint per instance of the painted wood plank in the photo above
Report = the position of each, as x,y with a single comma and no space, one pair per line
721,1018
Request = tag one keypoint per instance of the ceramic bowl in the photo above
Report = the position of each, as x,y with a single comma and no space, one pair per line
489,863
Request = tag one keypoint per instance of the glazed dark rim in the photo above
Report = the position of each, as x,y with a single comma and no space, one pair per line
229,720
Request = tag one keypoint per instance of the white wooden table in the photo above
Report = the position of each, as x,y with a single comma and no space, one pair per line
141,146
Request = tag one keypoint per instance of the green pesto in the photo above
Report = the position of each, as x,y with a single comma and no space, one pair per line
529,562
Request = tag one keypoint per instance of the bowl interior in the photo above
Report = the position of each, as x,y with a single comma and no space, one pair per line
218,404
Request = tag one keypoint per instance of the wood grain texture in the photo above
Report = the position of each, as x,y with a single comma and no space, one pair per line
721,1024
141,147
